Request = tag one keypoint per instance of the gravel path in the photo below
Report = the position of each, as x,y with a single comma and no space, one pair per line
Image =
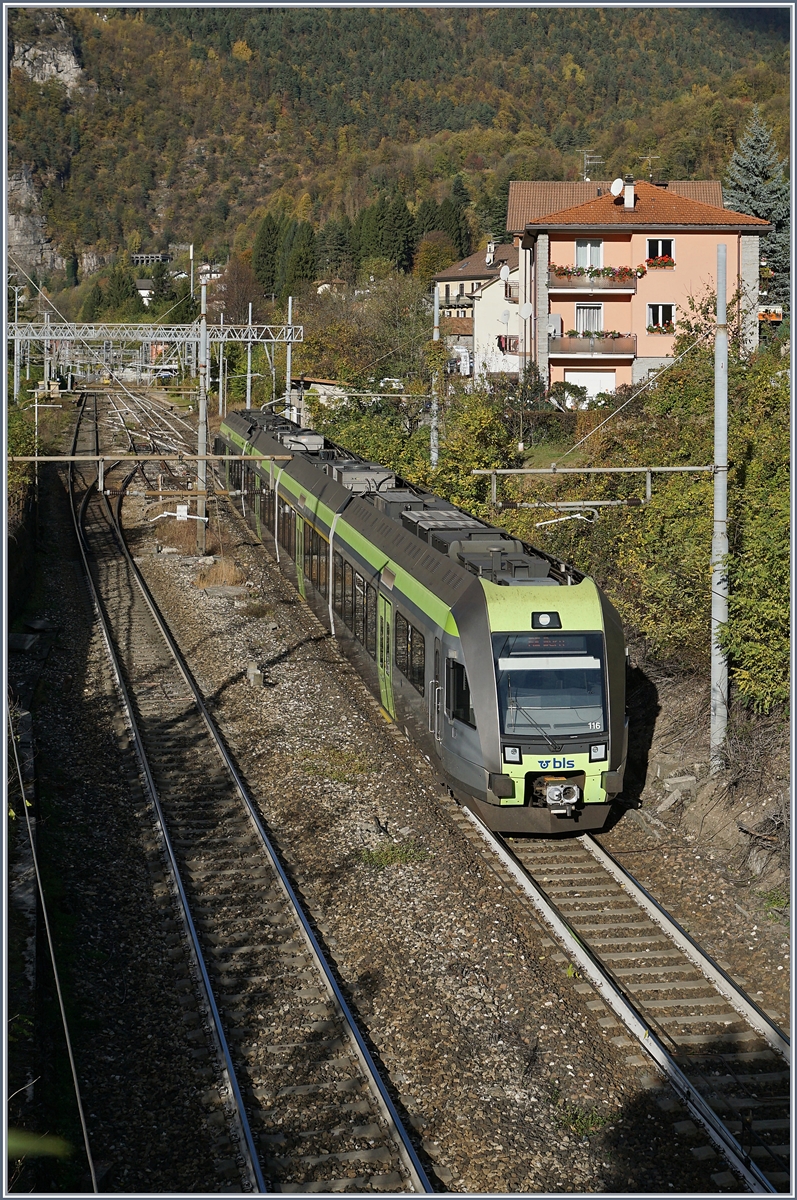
510,1079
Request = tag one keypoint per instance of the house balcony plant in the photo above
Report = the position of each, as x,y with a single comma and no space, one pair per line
612,274
664,262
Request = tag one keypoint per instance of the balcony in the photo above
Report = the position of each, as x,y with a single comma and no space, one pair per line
585,285
592,347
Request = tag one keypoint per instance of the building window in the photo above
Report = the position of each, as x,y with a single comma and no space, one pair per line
661,316
448,293
589,319
661,248
589,253
507,345
461,290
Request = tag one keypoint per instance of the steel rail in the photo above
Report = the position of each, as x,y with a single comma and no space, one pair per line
251,1158
633,1020
727,987
406,1149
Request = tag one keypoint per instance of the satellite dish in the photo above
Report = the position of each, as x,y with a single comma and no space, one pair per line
504,272
504,318
617,186
526,311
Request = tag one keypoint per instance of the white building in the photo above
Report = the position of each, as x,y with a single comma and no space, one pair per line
498,325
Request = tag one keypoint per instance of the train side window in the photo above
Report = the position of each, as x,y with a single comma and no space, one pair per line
323,565
417,674
402,644
359,608
348,594
410,653
337,592
458,704
370,620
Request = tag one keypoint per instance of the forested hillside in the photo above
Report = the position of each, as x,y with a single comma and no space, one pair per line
190,124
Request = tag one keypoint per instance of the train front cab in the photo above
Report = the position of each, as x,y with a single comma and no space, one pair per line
538,735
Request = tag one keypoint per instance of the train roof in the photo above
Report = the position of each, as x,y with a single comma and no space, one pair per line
441,546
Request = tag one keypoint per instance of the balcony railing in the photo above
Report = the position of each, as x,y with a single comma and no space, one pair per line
587,346
583,283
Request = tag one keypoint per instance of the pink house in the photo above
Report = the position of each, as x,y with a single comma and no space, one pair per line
605,280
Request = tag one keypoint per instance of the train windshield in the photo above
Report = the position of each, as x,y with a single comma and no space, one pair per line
550,684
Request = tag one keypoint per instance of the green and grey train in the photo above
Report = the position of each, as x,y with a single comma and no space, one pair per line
506,665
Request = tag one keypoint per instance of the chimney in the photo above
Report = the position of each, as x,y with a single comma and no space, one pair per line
490,254
629,191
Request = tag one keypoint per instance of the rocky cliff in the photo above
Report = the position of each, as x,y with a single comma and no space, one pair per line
44,50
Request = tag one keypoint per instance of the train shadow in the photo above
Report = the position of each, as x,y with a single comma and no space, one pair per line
643,711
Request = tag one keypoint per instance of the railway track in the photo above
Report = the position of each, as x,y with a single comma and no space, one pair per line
299,1105
727,1060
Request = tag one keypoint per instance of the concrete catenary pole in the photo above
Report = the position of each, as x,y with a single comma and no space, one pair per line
434,432
288,359
249,361
719,541
221,369
17,290
202,431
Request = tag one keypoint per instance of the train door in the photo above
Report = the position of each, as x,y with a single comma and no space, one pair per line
436,693
300,556
384,652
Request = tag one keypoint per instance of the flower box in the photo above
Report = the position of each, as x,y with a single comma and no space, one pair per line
663,263
668,329
614,274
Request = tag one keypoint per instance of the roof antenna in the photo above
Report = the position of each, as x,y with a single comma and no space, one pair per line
648,158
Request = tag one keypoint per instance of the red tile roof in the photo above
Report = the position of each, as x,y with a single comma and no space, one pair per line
529,199
653,208
456,325
475,265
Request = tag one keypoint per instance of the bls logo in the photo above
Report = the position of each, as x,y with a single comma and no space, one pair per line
558,764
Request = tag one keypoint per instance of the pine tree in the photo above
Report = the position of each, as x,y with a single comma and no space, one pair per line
162,285
286,235
369,225
496,213
397,234
454,222
92,305
459,192
756,184
427,218
122,292
301,267
264,253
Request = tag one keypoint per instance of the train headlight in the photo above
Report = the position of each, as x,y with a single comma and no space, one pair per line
597,753
546,620
512,754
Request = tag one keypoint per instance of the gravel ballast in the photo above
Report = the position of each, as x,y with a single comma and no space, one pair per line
510,1079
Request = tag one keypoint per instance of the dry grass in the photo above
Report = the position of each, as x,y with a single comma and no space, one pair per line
181,535
224,572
